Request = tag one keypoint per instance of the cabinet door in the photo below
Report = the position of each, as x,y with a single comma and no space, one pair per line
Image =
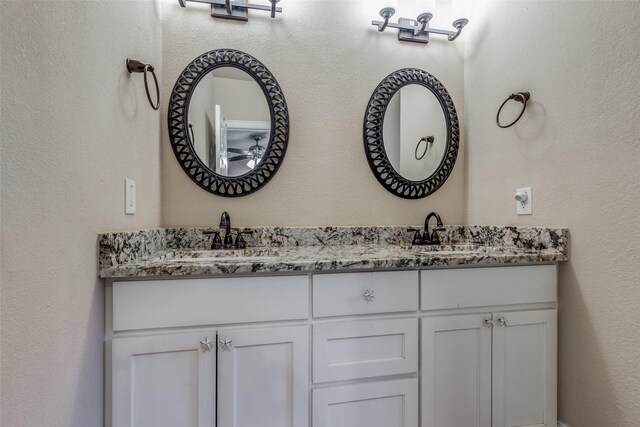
263,377
164,380
456,371
524,368
374,404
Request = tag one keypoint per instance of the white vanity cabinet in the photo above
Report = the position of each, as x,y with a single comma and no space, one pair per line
365,328
494,368
254,371
473,346
261,377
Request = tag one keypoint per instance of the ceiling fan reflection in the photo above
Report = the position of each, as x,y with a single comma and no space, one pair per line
253,154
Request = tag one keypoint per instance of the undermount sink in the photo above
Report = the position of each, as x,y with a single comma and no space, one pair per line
270,254
449,249
224,254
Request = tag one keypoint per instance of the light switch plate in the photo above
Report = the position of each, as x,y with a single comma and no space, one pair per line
129,197
526,207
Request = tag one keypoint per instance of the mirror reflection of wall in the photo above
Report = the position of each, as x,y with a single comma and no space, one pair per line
412,114
229,121
201,118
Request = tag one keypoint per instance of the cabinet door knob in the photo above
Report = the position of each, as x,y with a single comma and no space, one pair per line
502,321
225,344
368,295
206,344
488,322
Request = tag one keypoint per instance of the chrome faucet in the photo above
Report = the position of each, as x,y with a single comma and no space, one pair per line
225,222
433,238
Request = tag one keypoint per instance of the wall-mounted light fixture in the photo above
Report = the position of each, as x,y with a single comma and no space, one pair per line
417,30
235,9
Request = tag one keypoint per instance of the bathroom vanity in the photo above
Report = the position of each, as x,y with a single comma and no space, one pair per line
361,330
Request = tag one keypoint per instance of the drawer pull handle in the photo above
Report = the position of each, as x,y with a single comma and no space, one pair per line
368,295
206,344
502,321
488,322
225,344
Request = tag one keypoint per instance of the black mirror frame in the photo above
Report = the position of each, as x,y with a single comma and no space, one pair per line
177,121
373,134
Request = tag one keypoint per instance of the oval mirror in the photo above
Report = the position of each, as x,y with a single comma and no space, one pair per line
228,123
411,133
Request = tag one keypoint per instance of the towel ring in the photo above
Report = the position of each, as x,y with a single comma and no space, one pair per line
428,140
135,66
522,97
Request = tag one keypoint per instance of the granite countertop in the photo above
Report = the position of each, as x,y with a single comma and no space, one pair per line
184,251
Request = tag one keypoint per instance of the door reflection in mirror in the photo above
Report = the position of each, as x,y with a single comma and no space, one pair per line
229,122
415,132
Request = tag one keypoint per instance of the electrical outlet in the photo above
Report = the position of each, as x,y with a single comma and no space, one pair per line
524,201
129,197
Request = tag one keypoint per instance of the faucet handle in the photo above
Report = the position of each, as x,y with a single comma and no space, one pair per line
435,238
240,243
217,240
417,239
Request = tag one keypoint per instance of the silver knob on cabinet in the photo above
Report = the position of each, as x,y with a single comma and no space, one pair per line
368,295
502,321
206,344
488,322
225,344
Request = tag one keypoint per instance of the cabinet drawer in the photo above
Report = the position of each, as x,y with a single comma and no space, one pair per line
193,302
376,404
481,287
344,294
363,349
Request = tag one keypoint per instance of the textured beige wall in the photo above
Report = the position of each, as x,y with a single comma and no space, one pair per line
74,125
328,60
578,145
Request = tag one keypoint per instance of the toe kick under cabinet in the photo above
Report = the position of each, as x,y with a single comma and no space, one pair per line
452,347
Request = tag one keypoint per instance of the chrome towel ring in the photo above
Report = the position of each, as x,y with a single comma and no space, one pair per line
522,97
135,66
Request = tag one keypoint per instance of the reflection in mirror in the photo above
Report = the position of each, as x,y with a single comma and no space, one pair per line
229,121
415,132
